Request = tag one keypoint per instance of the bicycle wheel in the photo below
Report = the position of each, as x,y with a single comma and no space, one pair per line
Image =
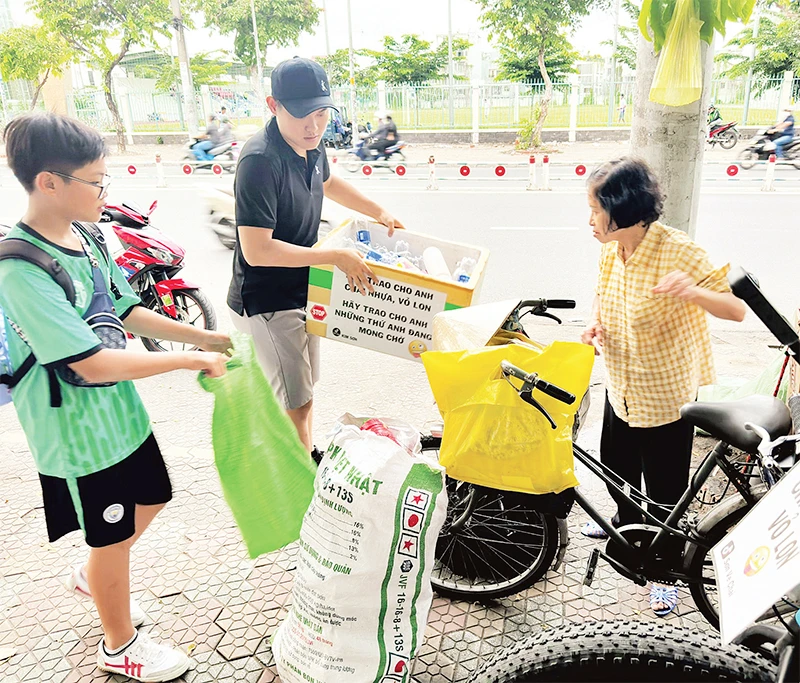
624,651
503,547
705,595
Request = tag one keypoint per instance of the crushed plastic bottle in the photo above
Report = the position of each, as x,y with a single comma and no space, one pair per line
464,268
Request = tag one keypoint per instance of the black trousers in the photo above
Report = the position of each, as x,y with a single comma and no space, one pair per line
661,454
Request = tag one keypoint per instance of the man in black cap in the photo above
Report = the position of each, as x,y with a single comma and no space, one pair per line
281,177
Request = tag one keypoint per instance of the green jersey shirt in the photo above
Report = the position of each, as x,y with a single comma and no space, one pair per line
95,427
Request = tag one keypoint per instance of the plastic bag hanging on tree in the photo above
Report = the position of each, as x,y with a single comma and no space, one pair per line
266,473
679,75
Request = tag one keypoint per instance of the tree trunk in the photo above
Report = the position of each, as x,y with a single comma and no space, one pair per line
671,139
110,103
544,105
39,89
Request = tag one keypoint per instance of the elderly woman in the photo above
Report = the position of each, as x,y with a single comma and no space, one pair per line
649,321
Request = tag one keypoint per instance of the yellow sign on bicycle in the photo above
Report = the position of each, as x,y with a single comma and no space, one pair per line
491,436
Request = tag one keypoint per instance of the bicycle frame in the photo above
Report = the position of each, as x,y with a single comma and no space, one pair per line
717,457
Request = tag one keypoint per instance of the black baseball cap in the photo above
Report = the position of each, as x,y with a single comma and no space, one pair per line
301,86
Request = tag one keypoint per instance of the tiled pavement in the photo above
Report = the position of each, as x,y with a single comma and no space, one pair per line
192,576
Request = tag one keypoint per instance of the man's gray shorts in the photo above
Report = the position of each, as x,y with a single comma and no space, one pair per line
288,355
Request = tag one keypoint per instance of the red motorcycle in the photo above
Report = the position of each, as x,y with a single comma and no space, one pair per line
151,262
725,134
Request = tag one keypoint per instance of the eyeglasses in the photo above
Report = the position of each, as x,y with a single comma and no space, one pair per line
102,186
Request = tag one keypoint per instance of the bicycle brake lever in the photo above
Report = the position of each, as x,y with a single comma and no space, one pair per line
527,396
545,314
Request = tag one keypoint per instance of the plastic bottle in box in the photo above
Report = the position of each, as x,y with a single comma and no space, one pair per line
435,263
464,269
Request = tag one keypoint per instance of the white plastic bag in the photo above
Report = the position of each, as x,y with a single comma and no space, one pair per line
362,590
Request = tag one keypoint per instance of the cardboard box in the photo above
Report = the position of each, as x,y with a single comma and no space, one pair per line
398,317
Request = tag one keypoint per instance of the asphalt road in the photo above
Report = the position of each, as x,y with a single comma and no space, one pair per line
540,246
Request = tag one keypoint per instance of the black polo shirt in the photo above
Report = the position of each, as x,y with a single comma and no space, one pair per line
279,190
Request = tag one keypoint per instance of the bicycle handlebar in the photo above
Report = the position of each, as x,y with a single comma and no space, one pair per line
544,304
533,379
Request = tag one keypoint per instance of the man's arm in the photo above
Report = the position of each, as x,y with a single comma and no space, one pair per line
348,196
260,249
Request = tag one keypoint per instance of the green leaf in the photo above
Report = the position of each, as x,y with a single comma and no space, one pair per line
644,19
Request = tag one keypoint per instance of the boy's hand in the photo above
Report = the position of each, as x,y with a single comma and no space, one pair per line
359,275
216,342
212,364
385,218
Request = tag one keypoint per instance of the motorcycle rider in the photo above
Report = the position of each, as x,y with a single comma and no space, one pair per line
386,136
208,141
714,118
785,131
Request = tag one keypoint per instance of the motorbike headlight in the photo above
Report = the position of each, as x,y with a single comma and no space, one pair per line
162,255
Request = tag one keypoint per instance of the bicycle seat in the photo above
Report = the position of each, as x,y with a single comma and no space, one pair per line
725,421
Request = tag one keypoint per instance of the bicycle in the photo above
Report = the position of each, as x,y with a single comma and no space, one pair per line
635,551
498,543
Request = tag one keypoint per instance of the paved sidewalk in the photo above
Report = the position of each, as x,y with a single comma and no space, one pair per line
192,576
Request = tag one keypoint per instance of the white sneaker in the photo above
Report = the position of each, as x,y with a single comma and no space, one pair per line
144,660
78,584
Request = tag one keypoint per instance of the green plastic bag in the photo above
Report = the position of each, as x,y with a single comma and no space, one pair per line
266,473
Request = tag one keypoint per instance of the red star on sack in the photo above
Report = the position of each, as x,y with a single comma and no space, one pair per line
417,499
407,545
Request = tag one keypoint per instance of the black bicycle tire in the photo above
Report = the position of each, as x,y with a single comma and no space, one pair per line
698,591
623,651
524,581
205,305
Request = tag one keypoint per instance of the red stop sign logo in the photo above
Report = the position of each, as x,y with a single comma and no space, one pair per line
318,312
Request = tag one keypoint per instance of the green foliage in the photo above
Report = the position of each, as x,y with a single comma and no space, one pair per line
407,60
656,15
280,23
32,53
519,61
413,60
534,27
777,49
206,70
102,32
527,130
337,66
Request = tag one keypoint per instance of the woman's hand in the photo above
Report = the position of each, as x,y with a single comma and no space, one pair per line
594,335
677,284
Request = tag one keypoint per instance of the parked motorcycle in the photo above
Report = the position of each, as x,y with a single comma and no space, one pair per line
151,262
389,159
724,134
762,146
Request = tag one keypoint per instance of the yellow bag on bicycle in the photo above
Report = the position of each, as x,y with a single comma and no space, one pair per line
491,436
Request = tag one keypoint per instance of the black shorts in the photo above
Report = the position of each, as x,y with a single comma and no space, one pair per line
108,498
